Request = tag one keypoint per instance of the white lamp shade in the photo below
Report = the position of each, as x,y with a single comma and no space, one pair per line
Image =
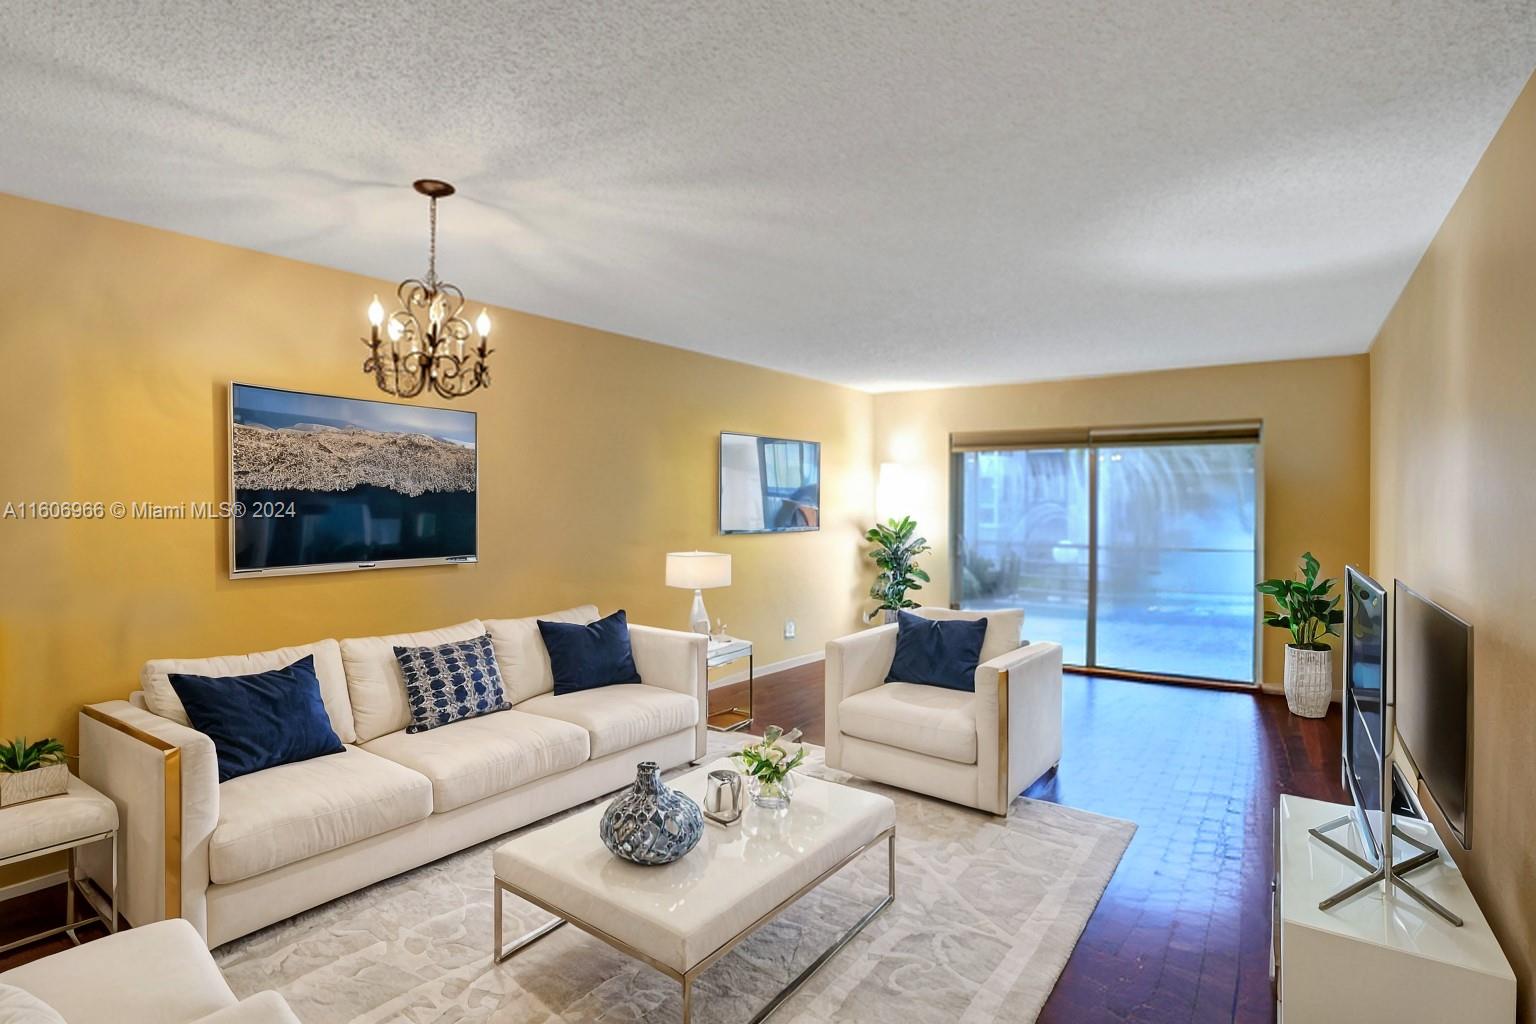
698,570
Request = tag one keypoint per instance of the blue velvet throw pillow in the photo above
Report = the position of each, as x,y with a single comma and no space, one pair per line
937,652
261,720
586,657
451,682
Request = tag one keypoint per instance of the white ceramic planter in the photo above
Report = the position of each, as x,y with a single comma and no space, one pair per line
1308,681
16,787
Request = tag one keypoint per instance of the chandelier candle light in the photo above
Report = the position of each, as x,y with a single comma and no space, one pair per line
426,343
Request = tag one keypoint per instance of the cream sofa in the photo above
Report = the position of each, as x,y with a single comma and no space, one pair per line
979,749
235,857
159,974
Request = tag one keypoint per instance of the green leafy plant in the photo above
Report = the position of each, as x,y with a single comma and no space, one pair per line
768,761
1306,610
20,756
894,551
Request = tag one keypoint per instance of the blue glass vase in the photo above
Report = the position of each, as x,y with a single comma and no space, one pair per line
649,823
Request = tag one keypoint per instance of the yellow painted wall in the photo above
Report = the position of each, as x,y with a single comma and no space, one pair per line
1453,496
597,455
1316,424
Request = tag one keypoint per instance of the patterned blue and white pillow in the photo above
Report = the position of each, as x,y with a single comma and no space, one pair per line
451,682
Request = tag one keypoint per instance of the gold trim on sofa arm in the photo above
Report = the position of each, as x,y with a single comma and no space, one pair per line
172,755
1004,769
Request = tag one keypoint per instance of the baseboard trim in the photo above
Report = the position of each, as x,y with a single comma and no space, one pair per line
29,885
773,666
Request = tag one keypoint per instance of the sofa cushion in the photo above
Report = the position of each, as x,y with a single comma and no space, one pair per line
520,652
619,717
259,721
1005,627
480,757
18,1006
375,682
937,652
295,811
451,682
585,657
160,697
912,716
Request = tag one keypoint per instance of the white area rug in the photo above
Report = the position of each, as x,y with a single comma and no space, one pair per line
986,913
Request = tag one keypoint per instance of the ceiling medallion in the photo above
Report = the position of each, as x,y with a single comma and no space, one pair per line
425,343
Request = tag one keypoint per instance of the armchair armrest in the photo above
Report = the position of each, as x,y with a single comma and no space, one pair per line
164,779
675,660
1018,722
262,1008
854,664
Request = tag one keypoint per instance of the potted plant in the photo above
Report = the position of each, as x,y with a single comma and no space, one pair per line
894,551
1310,615
31,770
767,766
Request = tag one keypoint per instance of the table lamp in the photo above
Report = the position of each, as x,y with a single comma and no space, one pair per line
698,571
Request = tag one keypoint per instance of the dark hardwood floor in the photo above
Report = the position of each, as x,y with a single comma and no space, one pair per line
1182,932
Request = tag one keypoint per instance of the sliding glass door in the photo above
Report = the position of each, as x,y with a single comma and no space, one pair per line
1023,540
1135,556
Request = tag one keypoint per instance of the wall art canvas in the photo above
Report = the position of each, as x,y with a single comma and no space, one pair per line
324,484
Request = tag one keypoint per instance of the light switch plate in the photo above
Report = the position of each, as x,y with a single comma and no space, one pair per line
789,629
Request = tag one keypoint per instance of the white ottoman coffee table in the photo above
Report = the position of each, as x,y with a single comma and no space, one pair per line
682,917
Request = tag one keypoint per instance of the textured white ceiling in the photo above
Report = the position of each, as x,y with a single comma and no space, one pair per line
883,194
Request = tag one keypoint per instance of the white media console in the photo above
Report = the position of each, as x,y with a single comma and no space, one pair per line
1373,958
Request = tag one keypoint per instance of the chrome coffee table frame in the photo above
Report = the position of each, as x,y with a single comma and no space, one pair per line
687,978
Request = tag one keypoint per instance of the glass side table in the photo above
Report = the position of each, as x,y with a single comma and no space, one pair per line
727,651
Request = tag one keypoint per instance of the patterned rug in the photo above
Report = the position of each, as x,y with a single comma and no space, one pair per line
986,913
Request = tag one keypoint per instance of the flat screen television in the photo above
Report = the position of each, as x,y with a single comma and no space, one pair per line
1432,673
1366,745
769,484
327,484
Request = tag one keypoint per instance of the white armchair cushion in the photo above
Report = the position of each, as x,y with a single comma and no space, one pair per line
294,811
160,697
1004,626
621,716
480,757
928,719
18,1006
160,973
520,652
375,682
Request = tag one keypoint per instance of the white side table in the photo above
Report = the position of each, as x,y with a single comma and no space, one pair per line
57,824
725,651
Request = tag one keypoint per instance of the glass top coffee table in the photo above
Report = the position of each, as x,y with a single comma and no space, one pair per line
681,917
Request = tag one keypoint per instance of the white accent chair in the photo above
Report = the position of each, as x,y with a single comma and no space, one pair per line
978,749
161,973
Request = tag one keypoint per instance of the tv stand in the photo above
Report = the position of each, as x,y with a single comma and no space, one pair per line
1390,874
1377,957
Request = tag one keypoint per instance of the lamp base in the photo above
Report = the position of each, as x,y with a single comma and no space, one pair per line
698,618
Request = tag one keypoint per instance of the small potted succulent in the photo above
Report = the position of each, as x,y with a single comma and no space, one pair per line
767,766
31,770
1309,615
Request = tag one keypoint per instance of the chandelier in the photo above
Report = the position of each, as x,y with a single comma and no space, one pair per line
426,343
